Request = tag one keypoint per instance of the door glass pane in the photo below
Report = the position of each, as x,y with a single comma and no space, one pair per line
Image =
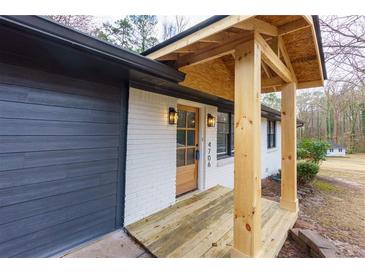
191,137
191,158
180,138
191,119
180,157
181,118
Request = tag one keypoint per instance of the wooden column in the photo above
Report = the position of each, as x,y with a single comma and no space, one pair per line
247,162
288,198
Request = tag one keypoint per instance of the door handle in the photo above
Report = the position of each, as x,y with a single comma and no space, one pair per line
197,153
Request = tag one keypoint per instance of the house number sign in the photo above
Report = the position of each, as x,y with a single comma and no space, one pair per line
209,157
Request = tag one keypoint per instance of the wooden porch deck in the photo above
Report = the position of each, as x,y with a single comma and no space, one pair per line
202,226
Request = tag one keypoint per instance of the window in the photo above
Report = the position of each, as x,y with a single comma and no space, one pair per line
340,150
225,134
271,134
331,149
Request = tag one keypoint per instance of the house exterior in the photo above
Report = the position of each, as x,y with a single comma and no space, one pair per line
336,150
93,137
151,147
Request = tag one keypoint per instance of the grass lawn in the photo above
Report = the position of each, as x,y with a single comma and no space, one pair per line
351,167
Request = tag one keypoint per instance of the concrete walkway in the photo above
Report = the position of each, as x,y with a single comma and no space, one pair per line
113,245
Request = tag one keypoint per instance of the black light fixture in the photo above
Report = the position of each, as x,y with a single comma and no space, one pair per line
172,116
210,120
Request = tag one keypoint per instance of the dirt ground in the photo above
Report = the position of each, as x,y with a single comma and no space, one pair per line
334,208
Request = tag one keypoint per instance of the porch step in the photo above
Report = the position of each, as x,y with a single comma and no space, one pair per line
311,241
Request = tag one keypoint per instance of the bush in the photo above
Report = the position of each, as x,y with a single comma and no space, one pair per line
312,150
306,172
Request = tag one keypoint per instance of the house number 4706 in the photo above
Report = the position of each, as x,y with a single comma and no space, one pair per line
209,154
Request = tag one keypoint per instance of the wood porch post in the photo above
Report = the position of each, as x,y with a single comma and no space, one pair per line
247,162
288,198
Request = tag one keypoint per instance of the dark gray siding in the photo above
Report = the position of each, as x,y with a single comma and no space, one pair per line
60,162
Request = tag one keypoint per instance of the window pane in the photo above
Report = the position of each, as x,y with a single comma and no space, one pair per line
222,117
191,158
181,118
191,119
191,137
180,157
180,138
223,128
221,143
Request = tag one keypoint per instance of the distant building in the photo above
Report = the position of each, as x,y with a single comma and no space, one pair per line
336,150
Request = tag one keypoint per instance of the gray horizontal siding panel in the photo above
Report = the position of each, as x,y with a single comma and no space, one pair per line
59,156
27,176
54,233
9,161
43,112
32,78
10,144
71,239
21,194
44,97
35,223
24,210
40,127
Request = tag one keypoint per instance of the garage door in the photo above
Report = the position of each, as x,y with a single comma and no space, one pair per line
59,144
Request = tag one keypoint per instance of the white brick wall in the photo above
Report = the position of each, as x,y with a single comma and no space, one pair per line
151,154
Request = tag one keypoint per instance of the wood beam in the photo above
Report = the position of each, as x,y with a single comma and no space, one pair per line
213,53
247,162
200,34
272,60
286,57
310,84
209,41
272,82
293,26
288,199
254,24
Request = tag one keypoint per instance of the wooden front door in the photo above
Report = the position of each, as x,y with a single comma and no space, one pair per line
187,138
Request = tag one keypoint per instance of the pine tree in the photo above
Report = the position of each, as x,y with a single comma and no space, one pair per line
118,33
144,33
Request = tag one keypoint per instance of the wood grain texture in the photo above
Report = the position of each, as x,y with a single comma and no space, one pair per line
289,148
247,163
202,226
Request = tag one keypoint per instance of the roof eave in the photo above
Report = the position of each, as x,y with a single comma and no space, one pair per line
71,37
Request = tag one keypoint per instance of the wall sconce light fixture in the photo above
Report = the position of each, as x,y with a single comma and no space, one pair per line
210,120
172,116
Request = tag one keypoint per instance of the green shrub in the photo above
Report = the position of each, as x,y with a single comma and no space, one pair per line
312,150
306,172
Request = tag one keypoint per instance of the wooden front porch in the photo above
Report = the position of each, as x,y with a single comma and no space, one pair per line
202,226
237,58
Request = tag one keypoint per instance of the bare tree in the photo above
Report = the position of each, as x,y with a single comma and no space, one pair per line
171,28
344,48
181,23
84,23
168,30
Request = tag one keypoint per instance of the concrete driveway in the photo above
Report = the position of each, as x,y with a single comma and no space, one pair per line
116,244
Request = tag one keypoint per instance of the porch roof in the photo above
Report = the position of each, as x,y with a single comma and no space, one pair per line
207,50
